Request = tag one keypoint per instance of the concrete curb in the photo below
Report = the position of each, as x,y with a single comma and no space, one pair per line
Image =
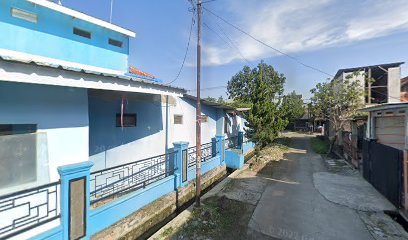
184,216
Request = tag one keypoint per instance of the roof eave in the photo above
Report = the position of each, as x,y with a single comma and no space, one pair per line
384,107
82,16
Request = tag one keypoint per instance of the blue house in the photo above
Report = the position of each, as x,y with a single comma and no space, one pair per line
67,97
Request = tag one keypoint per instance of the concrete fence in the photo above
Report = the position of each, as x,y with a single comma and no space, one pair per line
79,219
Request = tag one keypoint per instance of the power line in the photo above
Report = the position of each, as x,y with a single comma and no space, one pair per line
185,55
231,46
267,45
232,42
209,88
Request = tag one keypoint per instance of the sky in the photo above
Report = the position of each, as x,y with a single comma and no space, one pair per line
326,34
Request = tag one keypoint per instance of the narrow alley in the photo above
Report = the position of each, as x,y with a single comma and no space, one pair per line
302,196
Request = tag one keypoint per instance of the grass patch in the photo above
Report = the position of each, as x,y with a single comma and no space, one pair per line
320,145
283,143
166,233
218,218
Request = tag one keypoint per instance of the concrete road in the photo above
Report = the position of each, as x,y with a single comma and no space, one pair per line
292,208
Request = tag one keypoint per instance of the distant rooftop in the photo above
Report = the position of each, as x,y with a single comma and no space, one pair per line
139,72
386,65
210,103
82,16
384,106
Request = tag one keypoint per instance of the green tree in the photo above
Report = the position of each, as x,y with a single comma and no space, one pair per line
220,100
210,99
261,89
337,101
293,105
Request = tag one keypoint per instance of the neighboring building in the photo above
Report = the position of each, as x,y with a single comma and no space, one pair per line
218,119
384,87
385,84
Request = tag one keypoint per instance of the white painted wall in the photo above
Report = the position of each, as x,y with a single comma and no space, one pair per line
394,84
187,130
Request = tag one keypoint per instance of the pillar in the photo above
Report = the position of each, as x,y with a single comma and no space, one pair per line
75,200
220,147
180,163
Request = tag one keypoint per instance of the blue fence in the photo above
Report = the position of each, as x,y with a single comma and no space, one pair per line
114,193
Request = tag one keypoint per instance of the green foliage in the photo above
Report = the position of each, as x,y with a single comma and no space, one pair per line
319,145
293,105
220,100
210,99
261,89
337,101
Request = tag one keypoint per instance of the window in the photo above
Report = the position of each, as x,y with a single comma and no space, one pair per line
12,129
129,120
82,33
18,154
178,119
17,13
115,43
204,118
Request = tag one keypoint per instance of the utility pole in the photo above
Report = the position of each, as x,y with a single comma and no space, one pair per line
198,110
111,9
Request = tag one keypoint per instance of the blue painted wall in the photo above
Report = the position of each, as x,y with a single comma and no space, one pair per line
220,121
234,159
110,145
247,146
52,36
106,215
61,115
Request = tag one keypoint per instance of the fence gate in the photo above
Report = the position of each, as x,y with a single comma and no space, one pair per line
383,168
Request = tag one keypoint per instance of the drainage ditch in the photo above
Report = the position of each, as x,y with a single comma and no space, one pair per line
181,208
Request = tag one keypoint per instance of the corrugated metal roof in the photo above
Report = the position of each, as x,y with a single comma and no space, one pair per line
386,65
385,106
209,103
140,79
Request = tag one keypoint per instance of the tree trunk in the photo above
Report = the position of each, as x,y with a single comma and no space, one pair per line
332,142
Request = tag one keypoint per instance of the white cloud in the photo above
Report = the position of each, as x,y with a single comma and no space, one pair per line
294,26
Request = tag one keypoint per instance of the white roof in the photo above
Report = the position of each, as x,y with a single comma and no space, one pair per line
82,16
28,68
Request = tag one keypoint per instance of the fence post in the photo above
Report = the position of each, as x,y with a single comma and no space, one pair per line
220,147
241,140
75,200
180,163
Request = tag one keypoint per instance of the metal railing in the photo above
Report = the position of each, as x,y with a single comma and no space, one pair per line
231,142
130,176
27,209
207,152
